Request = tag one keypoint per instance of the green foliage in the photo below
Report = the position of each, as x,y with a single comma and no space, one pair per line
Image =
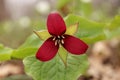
86,8
30,47
88,31
113,28
63,55
72,29
64,66
55,69
115,23
5,53
42,34
32,41
83,7
62,3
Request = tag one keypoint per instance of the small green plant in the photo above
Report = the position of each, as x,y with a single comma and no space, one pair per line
55,69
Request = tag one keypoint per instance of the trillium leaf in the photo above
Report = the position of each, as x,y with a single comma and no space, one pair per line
55,69
92,39
87,29
115,33
115,24
31,41
43,34
24,52
63,55
72,29
113,29
5,53
29,47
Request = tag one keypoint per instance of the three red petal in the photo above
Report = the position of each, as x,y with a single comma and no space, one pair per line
56,27
74,45
55,24
47,51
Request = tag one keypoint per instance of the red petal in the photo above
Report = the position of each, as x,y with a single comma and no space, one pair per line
47,51
55,24
74,45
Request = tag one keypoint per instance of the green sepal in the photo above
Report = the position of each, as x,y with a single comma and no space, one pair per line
42,34
72,29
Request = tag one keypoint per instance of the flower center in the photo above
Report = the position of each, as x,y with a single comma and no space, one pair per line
58,39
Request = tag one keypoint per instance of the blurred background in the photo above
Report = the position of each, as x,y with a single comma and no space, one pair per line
18,19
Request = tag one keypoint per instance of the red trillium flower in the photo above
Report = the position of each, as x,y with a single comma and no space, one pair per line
57,28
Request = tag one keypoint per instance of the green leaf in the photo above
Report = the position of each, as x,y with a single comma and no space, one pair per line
30,47
24,52
31,41
5,53
43,34
72,29
1,46
55,69
113,29
86,8
115,24
87,29
62,3
94,38
115,33
63,55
